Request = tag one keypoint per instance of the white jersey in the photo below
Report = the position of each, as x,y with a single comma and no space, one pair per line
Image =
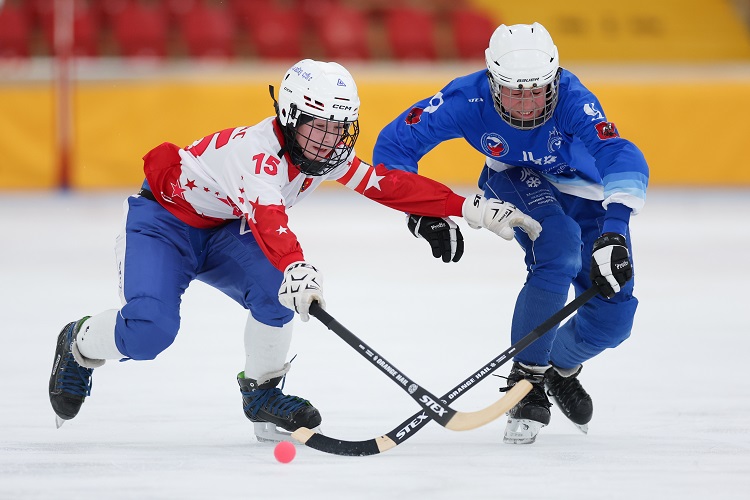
244,172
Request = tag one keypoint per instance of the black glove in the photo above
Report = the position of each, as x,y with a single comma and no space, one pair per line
443,235
610,264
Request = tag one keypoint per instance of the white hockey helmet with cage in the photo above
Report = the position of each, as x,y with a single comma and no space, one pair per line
523,57
325,90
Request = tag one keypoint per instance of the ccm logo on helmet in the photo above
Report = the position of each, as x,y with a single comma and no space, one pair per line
341,106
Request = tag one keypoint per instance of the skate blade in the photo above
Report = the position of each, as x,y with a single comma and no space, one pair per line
583,428
266,432
59,422
521,431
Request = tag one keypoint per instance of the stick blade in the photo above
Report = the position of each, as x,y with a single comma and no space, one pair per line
464,421
342,447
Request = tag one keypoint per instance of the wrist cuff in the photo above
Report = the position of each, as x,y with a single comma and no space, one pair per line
616,219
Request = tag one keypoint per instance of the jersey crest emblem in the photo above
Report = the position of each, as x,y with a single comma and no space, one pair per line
606,130
494,145
555,140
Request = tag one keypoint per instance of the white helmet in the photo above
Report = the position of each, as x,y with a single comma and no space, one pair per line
523,56
325,90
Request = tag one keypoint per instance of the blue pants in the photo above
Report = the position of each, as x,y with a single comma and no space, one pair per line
162,255
561,256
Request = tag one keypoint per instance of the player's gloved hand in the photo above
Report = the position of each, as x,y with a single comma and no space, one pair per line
301,286
443,235
499,217
610,264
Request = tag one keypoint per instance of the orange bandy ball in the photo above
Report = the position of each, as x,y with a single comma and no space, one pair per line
284,452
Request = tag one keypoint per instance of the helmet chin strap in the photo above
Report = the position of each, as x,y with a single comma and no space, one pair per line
273,97
284,147
289,140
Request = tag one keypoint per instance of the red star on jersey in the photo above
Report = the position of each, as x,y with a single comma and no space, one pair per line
190,184
373,181
254,206
177,190
235,209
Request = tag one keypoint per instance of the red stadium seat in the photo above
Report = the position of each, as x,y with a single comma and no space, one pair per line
177,9
141,29
86,27
342,33
314,11
471,32
108,10
411,34
208,32
243,9
275,32
15,32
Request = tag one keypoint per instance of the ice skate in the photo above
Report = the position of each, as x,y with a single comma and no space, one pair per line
532,412
69,383
274,414
570,396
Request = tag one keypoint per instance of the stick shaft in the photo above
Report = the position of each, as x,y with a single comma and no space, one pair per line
426,400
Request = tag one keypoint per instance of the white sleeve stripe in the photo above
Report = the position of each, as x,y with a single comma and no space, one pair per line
362,169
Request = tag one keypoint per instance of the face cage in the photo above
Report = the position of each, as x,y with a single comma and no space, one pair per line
320,165
549,106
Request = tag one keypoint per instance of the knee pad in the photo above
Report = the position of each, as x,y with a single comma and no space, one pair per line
271,312
145,327
607,323
603,324
554,259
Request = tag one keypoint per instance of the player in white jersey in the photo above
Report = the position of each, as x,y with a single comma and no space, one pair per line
216,211
550,150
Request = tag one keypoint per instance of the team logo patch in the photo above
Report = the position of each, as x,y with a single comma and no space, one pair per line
606,130
530,177
555,140
414,116
494,145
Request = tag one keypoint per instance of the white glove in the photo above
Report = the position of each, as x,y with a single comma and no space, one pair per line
302,285
499,217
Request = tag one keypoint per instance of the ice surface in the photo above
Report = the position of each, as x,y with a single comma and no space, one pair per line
672,404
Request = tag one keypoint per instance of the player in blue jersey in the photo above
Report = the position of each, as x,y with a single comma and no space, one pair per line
552,152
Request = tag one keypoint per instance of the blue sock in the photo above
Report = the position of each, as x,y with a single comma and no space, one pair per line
533,307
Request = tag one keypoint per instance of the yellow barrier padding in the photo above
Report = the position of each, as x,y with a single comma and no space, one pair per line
636,30
27,142
690,131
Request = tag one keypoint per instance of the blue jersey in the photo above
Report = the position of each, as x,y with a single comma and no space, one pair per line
578,150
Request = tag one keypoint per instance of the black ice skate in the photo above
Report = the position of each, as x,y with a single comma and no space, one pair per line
571,397
69,383
269,409
532,412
